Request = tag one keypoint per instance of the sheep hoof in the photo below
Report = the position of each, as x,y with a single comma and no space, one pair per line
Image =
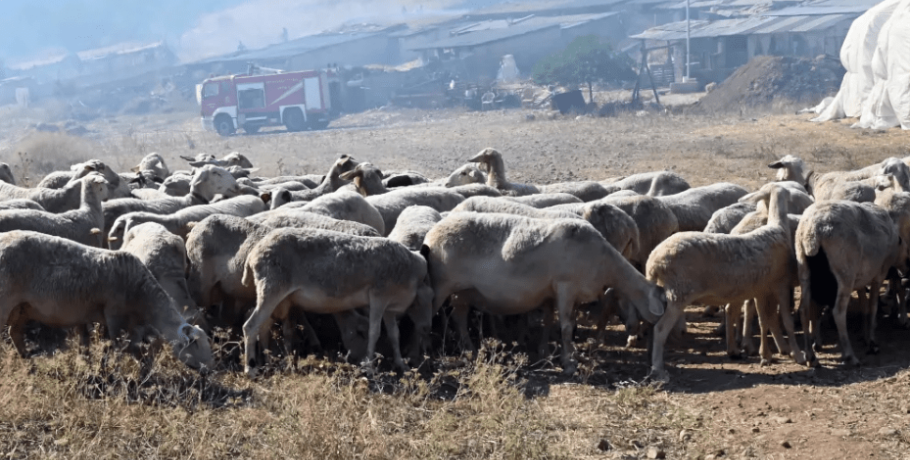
873,348
735,355
800,357
250,372
570,369
658,376
765,362
632,341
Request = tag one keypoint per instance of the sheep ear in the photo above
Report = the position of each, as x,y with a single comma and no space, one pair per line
95,231
134,169
112,238
425,251
351,175
776,165
266,197
286,196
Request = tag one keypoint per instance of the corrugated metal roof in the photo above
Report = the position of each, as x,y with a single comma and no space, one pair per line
120,48
759,25
487,36
290,48
525,7
855,10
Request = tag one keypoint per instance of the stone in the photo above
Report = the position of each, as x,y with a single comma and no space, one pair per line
654,452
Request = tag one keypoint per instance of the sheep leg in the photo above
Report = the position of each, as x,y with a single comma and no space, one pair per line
765,319
16,321
391,328
608,308
267,300
871,318
749,318
565,305
806,308
773,326
460,310
733,313
840,319
659,337
785,313
545,332
377,311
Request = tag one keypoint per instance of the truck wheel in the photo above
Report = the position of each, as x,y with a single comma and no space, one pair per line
224,125
317,125
251,129
293,119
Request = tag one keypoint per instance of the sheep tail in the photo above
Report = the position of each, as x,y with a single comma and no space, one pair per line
810,243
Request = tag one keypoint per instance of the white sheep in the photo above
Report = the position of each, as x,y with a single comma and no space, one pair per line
465,175
65,284
178,222
693,207
207,182
512,264
695,267
82,225
496,174
843,246
655,183
164,254
332,181
413,225
327,272
545,200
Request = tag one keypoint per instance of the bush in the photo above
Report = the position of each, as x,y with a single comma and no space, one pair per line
586,60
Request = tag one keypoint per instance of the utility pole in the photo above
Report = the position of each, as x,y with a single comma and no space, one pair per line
687,40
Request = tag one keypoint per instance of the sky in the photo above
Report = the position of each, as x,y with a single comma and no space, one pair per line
33,29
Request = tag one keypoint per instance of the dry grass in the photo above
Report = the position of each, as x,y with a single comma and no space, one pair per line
75,406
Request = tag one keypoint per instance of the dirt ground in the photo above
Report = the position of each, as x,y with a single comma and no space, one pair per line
714,407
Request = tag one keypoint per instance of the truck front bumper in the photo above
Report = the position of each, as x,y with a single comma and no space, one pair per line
208,124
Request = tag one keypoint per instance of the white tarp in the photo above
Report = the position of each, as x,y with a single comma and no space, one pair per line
876,54
508,70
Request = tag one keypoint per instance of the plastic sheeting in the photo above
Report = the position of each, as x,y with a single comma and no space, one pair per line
876,54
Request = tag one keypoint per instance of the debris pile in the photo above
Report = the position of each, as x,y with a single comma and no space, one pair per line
767,80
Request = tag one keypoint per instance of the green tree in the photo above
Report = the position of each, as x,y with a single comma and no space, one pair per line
586,60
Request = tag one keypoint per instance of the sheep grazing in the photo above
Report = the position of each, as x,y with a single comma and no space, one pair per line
613,224
342,205
856,185
81,225
655,183
496,174
465,175
327,272
545,200
305,219
654,220
404,179
725,219
178,222
390,204
6,174
470,190
512,264
217,249
53,200
176,185
207,182
584,190
231,159
843,246
413,225
59,179
695,267
332,182
64,284
154,166
164,254
20,203
693,208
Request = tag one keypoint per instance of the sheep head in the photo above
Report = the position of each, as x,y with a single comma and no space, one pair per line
193,347
485,156
367,179
790,168
210,180
465,175
237,159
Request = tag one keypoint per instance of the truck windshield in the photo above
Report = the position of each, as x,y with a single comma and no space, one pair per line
209,90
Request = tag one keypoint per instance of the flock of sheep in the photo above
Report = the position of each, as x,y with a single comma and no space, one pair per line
155,254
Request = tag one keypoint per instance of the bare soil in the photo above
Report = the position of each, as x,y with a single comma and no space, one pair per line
495,405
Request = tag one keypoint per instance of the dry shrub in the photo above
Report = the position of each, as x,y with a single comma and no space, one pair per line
40,153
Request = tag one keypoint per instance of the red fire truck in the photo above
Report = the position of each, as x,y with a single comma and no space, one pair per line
297,100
